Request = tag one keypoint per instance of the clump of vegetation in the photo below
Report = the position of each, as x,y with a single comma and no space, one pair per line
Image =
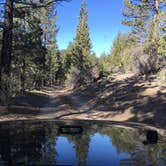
72,76
141,62
83,65
162,75
120,59
104,64
162,46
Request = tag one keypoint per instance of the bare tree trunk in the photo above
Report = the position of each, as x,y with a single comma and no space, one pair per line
155,21
23,76
44,62
154,40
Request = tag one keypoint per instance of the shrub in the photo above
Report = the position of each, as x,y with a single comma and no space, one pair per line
162,75
126,61
142,63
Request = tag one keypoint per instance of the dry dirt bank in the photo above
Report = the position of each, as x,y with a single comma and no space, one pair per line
122,98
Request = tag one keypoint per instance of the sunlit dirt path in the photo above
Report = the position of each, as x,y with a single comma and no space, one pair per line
122,98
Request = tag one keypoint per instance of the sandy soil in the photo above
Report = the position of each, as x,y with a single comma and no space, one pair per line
122,98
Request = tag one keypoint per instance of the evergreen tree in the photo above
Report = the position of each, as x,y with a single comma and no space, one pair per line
31,45
162,45
82,40
162,34
27,62
104,61
82,46
136,15
69,55
143,16
49,36
119,53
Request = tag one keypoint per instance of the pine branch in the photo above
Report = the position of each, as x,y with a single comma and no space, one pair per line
38,5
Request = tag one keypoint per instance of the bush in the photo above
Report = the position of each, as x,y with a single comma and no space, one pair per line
162,75
161,62
126,61
76,77
162,46
142,63
71,77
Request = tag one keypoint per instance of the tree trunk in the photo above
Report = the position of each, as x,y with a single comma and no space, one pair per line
6,52
7,39
155,21
23,76
153,49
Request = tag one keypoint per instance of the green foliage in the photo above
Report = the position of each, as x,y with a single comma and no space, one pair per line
35,61
78,52
162,45
146,18
136,15
104,62
69,56
52,58
127,60
120,59
97,66
27,62
82,39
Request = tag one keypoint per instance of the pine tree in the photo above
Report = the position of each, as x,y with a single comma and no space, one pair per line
27,43
143,15
136,15
82,46
49,36
162,46
32,62
119,56
69,53
82,40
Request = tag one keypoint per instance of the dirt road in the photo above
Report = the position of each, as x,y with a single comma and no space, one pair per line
122,98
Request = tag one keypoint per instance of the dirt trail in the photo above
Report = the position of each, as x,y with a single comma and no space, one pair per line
122,98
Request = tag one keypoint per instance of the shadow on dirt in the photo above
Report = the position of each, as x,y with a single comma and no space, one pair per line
146,101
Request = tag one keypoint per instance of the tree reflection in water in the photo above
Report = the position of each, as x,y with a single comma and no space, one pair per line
36,143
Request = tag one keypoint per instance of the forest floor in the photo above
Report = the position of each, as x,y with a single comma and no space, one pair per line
121,98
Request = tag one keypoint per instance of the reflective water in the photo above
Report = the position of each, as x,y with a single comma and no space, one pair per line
99,144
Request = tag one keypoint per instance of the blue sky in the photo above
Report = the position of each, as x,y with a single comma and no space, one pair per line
104,22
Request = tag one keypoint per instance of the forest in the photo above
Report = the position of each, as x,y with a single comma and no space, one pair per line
30,58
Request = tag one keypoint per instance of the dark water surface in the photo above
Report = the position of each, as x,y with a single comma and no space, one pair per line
96,144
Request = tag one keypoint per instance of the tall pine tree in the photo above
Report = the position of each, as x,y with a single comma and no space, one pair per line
33,50
82,40
136,15
143,16
82,46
